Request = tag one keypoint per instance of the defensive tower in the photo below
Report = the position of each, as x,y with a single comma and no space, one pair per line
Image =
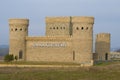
102,46
58,26
18,33
83,39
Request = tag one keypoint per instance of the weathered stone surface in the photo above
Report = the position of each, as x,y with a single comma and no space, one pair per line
68,39
18,32
102,46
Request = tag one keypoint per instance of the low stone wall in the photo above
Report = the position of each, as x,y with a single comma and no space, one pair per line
44,66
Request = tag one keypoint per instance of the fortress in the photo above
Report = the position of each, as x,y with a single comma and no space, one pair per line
68,39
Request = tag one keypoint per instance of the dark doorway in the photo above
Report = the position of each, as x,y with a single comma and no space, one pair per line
73,55
20,54
106,56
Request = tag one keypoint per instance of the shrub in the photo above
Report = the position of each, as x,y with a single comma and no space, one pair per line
16,58
8,58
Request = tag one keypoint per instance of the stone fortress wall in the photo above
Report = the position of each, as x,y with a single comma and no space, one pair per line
68,39
52,49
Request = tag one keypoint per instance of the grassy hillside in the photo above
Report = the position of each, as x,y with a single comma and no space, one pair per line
102,71
4,49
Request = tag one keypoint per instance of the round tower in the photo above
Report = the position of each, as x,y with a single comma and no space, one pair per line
18,33
102,46
83,39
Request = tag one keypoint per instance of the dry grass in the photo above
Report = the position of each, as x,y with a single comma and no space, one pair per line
39,63
103,71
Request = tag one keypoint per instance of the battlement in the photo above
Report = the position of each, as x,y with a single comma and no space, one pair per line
57,19
19,21
82,19
74,19
103,35
47,38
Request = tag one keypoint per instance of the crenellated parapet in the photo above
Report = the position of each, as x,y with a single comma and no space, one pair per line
47,38
103,37
83,19
19,21
57,19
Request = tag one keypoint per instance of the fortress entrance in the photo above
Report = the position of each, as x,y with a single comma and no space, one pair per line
106,56
20,54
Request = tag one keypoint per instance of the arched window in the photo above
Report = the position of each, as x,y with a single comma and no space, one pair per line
77,28
20,29
20,54
15,29
57,27
86,28
53,27
82,28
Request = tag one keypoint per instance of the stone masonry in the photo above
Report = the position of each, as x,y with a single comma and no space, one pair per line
68,39
102,46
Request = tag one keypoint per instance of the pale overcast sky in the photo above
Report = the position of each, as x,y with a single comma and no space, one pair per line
106,13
